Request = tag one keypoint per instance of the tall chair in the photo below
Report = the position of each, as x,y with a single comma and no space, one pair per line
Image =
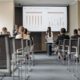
13,59
5,65
26,51
73,55
61,49
77,66
22,50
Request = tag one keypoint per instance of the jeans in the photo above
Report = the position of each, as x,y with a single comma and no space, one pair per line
49,49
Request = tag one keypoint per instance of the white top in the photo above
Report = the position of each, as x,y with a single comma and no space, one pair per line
24,36
49,39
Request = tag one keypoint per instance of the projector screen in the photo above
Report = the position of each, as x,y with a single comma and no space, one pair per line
37,19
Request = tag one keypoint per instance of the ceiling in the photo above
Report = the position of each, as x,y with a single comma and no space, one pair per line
44,2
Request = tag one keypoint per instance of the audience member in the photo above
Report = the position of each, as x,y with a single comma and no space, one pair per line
5,32
27,34
75,34
21,33
61,37
16,30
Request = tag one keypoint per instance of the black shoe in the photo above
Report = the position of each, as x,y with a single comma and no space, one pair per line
64,58
77,60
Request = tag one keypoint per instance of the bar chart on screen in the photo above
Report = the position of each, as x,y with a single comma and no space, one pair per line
37,19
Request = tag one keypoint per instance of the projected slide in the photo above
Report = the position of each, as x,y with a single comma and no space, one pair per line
37,19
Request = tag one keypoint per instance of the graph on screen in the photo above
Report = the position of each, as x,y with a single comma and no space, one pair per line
37,19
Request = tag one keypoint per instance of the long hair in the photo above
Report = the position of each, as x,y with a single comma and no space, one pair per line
49,31
25,31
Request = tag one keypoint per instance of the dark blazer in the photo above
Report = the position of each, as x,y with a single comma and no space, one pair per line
62,37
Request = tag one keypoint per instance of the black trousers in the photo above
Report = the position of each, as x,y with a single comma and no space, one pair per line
49,49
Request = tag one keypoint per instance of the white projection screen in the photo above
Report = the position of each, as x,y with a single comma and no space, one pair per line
37,19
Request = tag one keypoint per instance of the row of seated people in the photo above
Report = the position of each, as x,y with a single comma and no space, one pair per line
19,32
4,31
69,52
62,37
10,47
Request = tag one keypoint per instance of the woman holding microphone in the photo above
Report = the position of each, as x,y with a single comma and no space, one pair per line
49,39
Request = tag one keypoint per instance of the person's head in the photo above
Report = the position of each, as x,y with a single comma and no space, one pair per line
4,30
21,29
75,32
49,29
25,31
63,30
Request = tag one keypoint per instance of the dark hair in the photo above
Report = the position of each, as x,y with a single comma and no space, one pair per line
49,31
4,28
75,31
63,30
25,31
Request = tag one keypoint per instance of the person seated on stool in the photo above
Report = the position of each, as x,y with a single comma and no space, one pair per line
5,31
21,34
61,37
76,36
49,38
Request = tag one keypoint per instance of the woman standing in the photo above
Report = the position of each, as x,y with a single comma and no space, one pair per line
49,38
